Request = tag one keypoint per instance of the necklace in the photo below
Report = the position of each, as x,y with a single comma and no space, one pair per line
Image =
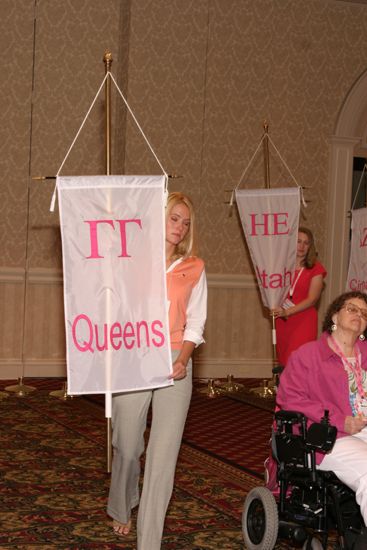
355,368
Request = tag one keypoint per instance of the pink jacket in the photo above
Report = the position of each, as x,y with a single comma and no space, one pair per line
314,380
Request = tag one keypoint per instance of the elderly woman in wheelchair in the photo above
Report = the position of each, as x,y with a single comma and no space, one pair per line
319,442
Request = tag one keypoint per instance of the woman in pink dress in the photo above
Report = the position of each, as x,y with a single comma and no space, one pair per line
296,319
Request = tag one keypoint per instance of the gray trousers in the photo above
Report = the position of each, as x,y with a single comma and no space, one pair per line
129,415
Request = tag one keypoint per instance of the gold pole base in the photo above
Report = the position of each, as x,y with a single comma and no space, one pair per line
20,389
61,394
210,390
230,386
266,391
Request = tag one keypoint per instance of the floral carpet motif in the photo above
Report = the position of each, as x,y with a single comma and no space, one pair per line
54,484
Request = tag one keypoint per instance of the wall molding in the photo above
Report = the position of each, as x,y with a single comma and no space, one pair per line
230,280
239,368
11,275
36,275
39,275
12,369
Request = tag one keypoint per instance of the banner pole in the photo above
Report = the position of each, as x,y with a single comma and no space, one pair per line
267,186
265,390
107,59
266,155
274,337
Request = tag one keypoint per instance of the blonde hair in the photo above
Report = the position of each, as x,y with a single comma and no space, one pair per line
187,247
311,257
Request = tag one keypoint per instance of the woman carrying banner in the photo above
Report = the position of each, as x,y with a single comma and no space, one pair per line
187,295
331,373
296,319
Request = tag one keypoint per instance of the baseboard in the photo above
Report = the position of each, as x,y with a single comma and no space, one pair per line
12,369
39,275
239,368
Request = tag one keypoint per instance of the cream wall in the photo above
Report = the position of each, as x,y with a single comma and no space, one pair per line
201,76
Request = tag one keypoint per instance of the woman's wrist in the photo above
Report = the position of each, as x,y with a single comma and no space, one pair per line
182,361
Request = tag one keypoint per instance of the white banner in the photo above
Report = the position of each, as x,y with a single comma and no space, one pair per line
357,272
270,222
117,331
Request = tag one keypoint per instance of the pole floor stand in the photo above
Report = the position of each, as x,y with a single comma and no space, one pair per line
210,390
266,390
61,394
20,389
230,386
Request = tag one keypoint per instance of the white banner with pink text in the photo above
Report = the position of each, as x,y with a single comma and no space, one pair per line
357,272
269,219
116,316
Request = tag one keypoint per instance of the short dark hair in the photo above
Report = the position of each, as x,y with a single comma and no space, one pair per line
337,305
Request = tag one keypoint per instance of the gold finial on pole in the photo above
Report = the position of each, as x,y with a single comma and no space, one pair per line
266,155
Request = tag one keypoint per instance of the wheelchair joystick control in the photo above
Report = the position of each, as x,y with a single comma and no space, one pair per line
325,419
321,436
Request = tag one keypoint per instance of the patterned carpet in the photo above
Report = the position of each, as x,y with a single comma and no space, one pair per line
225,428
54,482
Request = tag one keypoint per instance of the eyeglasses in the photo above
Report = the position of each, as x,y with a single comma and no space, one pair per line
353,309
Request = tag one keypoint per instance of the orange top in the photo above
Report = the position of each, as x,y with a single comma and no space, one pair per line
186,323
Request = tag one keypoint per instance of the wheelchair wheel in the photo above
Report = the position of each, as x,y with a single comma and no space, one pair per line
260,520
315,544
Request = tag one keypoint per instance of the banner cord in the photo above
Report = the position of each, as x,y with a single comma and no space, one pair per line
249,164
138,125
108,73
290,173
283,161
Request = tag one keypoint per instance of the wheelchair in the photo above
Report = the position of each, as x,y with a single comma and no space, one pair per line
304,504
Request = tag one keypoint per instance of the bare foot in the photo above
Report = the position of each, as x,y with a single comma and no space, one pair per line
121,528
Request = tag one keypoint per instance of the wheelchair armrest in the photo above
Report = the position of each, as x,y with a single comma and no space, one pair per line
289,417
321,437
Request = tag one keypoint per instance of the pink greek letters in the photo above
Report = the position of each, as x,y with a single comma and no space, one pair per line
269,224
94,241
